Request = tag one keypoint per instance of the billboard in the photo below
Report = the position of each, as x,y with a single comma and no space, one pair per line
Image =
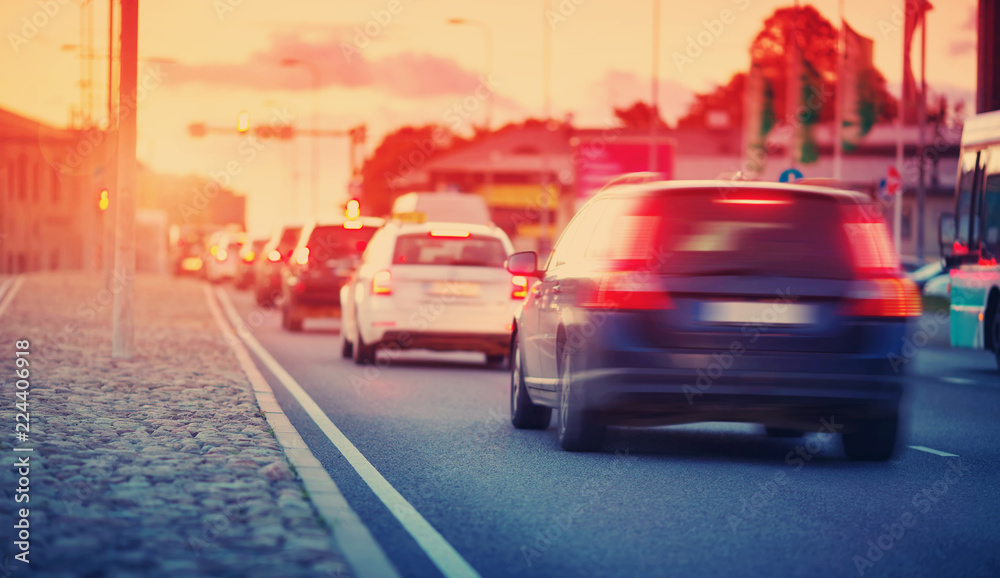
601,158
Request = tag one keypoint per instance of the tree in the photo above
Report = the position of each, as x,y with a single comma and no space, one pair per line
398,158
817,40
638,116
727,99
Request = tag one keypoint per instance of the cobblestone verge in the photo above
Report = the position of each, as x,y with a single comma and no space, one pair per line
159,466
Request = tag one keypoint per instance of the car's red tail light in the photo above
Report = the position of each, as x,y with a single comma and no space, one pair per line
871,244
382,283
628,291
889,297
520,287
274,256
752,201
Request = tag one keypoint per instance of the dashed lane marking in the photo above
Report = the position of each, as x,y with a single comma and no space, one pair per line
933,451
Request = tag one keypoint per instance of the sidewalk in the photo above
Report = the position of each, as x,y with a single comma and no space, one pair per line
159,466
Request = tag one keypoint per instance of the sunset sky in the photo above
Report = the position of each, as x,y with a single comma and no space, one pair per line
413,70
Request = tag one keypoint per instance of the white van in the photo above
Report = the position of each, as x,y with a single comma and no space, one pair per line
442,207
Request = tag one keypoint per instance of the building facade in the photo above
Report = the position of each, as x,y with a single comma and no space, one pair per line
510,166
50,216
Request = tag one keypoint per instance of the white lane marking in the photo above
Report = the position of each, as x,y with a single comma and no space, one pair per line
441,553
366,557
933,451
959,380
9,290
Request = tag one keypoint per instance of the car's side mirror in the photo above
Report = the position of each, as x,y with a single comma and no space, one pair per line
524,263
946,233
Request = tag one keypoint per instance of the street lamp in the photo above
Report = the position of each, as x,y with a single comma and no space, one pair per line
488,39
654,109
314,70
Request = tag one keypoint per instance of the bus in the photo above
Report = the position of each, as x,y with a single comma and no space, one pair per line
970,239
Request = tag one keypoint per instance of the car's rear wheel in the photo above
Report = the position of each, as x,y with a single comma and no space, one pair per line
265,298
782,432
524,414
873,440
363,353
577,432
289,320
346,347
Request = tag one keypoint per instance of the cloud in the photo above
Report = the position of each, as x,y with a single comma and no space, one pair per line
621,88
339,64
970,23
961,47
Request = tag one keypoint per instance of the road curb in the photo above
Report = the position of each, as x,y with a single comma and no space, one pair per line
358,546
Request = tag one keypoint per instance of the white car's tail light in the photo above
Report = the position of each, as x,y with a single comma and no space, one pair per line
382,283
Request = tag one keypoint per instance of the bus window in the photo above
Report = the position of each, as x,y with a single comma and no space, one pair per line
991,205
963,207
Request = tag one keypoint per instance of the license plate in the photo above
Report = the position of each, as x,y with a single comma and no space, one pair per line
757,313
457,288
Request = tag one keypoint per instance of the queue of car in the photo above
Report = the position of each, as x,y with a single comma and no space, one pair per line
662,302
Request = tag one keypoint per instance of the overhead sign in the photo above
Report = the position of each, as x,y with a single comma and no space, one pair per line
790,175
599,159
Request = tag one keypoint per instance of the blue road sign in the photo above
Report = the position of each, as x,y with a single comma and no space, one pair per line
790,175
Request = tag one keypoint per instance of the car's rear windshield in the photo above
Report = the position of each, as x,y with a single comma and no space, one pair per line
471,251
754,232
334,241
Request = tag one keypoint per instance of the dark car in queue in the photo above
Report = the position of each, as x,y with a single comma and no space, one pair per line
680,302
267,268
325,257
248,254
187,248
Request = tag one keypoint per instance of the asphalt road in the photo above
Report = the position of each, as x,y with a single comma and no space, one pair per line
704,500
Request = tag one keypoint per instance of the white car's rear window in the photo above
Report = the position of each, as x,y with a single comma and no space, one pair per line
471,251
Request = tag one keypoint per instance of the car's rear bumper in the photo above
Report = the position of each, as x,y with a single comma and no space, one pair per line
489,343
785,398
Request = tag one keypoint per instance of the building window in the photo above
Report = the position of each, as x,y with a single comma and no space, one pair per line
56,185
36,182
22,177
906,224
11,179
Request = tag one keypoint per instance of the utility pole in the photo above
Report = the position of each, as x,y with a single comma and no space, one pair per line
922,120
123,330
546,193
111,175
654,100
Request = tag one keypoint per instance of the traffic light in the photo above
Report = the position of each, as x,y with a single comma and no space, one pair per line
353,209
243,122
102,203
197,129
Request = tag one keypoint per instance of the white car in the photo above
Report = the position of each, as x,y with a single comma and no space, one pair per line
438,286
223,257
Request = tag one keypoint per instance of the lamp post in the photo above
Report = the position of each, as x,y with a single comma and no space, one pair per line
488,40
544,220
654,109
314,70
